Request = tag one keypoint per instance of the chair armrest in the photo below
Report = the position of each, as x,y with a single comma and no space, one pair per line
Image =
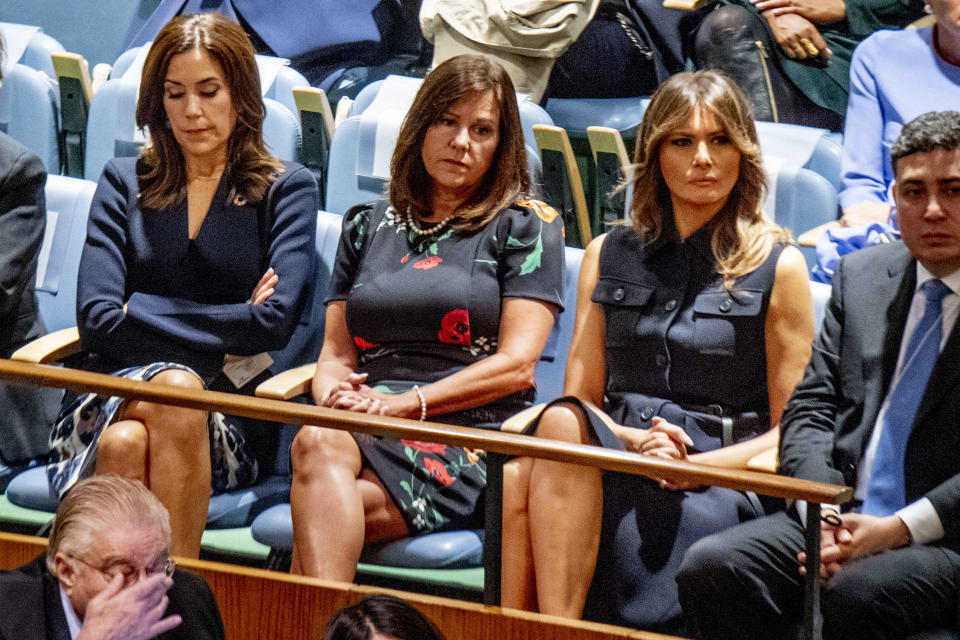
519,421
686,5
764,461
289,384
809,237
52,347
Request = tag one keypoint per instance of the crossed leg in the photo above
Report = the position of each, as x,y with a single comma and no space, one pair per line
551,523
168,449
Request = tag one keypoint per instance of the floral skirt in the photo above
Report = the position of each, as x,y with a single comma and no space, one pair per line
437,487
74,439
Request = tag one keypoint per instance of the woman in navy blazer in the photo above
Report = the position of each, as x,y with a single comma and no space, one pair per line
199,248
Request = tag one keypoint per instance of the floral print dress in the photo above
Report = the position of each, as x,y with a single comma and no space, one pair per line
420,308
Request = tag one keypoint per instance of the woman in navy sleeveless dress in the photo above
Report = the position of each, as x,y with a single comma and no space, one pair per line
693,326
443,296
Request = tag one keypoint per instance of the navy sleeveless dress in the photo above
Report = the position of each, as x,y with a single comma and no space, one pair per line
420,308
681,346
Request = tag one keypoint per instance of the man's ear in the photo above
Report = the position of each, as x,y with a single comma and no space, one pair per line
65,571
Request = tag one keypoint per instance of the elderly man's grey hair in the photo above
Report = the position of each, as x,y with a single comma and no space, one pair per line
93,506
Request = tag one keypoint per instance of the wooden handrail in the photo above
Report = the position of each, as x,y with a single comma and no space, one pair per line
496,441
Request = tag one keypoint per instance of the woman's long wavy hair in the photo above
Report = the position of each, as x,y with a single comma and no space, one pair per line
743,236
505,181
250,168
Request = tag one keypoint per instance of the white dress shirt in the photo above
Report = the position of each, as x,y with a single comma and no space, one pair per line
73,622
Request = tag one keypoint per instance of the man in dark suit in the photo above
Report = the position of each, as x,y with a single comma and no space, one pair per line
27,412
878,409
106,574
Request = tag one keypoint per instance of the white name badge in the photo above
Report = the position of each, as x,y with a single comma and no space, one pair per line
240,370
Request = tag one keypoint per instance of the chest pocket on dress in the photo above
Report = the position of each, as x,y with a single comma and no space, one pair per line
720,319
622,302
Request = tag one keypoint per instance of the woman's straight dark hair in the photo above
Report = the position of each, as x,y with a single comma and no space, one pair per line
250,169
506,180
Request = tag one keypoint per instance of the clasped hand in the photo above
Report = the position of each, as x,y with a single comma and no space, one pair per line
352,394
662,440
131,613
857,535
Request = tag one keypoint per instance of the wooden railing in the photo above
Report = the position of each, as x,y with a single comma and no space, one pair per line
492,441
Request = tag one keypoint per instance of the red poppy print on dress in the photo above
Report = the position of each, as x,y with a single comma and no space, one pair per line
428,263
436,468
455,327
426,447
363,344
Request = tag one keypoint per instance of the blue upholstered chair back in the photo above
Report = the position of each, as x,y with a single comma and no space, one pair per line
36,52
68,204
553,360
800,199
29,113
799,146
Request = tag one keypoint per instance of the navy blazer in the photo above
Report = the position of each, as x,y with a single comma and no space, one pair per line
828,421
186,299
30,606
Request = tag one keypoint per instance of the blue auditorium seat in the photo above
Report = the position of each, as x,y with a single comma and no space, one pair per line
809,147
29,112
445,550
68,203
29,45
800,199
553,359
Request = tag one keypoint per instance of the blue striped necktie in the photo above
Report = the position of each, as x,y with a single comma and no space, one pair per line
885,490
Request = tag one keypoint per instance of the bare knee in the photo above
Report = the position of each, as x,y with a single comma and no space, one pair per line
564,422
177,425
122,449
318,447
516,483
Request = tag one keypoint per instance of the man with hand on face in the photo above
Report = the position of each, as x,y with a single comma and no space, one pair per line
107,575
878,409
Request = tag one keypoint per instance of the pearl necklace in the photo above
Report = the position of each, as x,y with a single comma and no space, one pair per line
414,226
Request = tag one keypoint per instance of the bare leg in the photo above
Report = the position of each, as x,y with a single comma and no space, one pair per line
178,461
518,589
122,450
564,504
336,505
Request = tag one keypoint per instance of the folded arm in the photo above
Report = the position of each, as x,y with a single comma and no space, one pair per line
109,323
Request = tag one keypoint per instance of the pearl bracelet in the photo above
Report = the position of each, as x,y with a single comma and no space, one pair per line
423,402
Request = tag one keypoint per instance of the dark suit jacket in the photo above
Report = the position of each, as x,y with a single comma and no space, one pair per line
27,412
830,417
30,606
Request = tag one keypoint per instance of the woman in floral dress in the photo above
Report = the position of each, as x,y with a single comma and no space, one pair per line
443,296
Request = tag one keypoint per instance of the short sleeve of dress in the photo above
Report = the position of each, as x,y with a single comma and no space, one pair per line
349,251
530,236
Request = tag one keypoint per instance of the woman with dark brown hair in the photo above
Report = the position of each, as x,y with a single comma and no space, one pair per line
443,295
200,247
693,326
